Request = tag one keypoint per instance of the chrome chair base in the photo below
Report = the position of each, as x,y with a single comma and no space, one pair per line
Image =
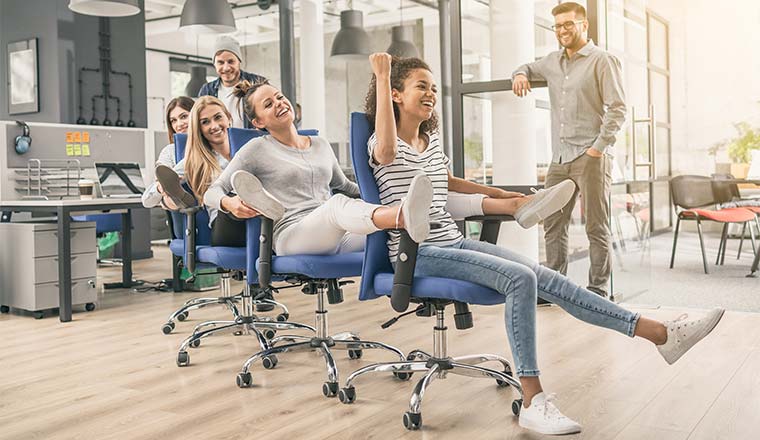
227,300
437,366
323,344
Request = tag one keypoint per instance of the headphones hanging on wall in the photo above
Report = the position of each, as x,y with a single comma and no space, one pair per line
24,141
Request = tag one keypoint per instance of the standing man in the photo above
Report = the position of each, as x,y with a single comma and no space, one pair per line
587,111
227,61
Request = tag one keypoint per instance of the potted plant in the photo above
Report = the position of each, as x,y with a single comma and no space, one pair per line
740,148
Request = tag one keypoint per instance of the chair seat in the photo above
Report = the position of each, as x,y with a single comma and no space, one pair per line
442,288
232,258
754,209
729,215
319,266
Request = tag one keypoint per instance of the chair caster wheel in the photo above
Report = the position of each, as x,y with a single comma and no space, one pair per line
183,359
244,380
5,309
282,317
182,316
89,307
167,328
412,421
269,333
330,389
402,375
347,395
355,354
195,343
501,383
38,315
516,406
269,362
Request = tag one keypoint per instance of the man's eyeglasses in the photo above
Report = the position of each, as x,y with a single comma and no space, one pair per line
568,25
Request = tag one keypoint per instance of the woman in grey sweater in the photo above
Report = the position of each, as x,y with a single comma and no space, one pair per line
296,181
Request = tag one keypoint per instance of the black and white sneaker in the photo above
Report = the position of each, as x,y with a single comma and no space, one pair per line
172,186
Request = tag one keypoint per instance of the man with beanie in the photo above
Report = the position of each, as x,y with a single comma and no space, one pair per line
227,61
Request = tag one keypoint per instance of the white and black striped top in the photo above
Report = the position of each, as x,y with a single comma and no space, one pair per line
393,182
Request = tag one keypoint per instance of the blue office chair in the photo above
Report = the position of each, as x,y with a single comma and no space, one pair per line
432,295
318,275
232,261
191,250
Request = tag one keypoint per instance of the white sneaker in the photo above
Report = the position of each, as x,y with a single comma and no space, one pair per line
542,416
415,208
544,203
683,333
248,187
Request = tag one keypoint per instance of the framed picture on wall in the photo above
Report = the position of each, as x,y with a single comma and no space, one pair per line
23,77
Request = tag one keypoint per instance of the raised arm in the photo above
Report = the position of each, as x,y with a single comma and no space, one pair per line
385,123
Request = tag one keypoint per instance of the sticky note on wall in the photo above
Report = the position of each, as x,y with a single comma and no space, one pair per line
85,149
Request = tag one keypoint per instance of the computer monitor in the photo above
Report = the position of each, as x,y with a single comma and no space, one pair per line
119,179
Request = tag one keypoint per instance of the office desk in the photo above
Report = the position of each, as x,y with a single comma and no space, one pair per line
63,209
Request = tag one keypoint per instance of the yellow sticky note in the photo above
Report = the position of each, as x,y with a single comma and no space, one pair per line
77,149
85,149
69,149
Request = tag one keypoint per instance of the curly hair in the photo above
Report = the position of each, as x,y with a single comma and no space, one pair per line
401,68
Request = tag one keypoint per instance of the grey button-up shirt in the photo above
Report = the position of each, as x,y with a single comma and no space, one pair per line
587,99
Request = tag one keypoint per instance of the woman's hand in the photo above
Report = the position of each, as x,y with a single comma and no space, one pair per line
498,193
238,208
381,64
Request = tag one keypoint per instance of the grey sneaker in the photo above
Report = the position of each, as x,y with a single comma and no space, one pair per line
172,186
415,208
544,417
248,187
544,203
683,333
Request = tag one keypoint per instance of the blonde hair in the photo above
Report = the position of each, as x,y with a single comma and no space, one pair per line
201,166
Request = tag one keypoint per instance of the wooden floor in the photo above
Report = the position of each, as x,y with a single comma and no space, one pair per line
111,373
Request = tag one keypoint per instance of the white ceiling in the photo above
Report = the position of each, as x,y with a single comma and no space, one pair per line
257,26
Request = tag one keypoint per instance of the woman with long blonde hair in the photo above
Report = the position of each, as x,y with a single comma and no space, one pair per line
207,154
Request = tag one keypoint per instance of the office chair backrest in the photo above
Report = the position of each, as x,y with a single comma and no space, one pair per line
692,191
180,143
376,248
241,136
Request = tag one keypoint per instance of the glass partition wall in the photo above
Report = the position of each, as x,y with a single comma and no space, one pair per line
503,140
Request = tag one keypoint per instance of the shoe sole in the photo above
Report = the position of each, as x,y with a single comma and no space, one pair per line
250,190
698,337
172,186
536,428
548,205
416,208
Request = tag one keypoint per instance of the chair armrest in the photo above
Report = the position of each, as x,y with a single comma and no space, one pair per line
265,252
190,237
491,225
403,277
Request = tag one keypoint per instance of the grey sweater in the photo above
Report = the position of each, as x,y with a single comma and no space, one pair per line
301,179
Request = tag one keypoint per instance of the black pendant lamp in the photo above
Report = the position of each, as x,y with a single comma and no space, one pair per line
207,16
197,80
401,38
351,42
105,8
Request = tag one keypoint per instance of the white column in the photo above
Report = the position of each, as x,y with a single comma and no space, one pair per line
513,119
312,66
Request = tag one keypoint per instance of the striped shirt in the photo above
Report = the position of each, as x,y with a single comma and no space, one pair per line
393,182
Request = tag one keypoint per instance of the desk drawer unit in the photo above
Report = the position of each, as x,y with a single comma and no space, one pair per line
29,265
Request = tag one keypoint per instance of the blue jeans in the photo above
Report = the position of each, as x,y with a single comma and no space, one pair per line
520,280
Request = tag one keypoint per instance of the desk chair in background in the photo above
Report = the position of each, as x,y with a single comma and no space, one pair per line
690,195
432,295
